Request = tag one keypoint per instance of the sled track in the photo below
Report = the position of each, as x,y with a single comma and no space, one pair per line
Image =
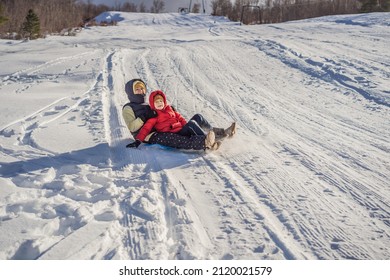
145,231
167,231
181,216
254,208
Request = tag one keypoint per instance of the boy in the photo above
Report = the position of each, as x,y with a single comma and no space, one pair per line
168,120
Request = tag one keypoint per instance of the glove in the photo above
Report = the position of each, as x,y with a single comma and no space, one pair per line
150,114
134,144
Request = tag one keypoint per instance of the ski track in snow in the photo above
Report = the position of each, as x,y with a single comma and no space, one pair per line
306,176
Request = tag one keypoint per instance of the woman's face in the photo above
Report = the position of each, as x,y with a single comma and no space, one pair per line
139,90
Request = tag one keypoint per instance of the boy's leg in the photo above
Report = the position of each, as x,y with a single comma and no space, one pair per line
221,133
191,128
231,130
201,121
174,140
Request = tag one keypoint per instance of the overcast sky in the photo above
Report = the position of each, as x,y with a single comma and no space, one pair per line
170,5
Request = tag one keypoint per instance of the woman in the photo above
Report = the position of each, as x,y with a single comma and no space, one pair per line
137,112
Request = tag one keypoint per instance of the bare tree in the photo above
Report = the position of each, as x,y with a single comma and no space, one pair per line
158,6
247,10
57,15
129,7
196,8
273,11
117,5
142,7
221,7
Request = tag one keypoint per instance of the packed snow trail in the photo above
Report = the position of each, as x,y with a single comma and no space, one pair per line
305,177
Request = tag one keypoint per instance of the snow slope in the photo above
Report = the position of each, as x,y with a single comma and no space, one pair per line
306,176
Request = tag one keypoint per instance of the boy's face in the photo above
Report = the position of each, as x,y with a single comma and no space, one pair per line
159,103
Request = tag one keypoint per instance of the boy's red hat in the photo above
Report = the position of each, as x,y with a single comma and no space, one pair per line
153,94
158,96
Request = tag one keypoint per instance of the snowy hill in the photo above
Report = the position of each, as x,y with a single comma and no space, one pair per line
306,176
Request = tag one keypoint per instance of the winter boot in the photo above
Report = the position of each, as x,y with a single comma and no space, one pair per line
210,140
219,133
231,130
216,145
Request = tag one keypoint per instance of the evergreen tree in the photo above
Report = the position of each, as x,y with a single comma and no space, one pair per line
31,25
2,18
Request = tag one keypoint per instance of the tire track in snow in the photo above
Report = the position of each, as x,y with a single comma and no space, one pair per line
186,230
339,248
295,198
328,131
226,226
210,87
115,129
196,232
186,235
181,220
146,230
114,135
271,226
319,70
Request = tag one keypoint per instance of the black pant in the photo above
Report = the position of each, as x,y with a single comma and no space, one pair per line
195,126
174,140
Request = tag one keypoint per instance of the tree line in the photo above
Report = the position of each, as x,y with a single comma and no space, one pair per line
52,16
34,19
274,11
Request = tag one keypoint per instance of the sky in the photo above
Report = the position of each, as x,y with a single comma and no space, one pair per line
306,176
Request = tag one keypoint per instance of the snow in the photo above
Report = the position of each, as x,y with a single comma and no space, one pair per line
305,177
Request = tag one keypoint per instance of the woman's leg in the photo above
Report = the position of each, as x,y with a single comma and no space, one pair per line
174,140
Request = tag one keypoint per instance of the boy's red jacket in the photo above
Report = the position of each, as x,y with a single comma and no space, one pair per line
167,119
